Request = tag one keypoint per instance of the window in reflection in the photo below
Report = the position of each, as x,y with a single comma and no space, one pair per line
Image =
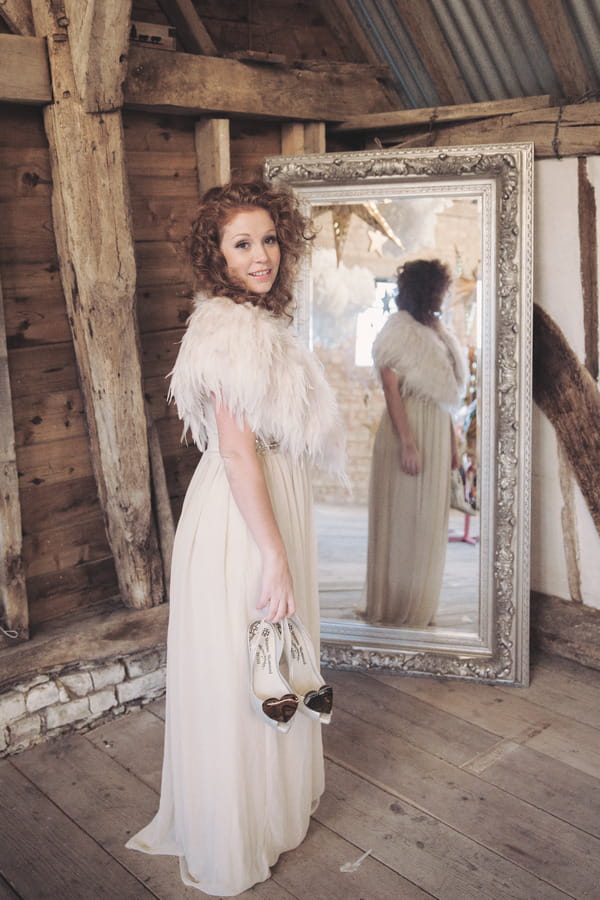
357,252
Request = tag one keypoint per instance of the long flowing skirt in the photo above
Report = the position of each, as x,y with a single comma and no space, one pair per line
408,520
235,792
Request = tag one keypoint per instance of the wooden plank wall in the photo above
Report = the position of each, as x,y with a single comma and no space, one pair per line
67,559
66,556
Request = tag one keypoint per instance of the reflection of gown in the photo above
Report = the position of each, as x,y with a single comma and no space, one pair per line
408,514
236,793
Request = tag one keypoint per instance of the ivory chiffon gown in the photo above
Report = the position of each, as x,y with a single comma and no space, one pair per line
408,514
235,792
408,519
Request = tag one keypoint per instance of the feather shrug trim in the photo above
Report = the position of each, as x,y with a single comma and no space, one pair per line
428,362
258,368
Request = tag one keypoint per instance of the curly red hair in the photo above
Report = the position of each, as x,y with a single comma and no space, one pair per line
218,206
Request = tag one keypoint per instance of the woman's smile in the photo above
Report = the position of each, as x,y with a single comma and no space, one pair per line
251,249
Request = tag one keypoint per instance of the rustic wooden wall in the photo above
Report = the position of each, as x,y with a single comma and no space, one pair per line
68,564
67,561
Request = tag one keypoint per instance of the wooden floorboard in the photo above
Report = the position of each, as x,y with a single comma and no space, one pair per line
459,791
558,853
44,855
428,852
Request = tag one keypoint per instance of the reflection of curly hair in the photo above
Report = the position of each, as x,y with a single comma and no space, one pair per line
217,207
422,284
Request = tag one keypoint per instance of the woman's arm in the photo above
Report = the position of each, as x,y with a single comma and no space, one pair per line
410,460
248,486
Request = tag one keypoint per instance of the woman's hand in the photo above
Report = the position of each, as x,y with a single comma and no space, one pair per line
410,459
277,592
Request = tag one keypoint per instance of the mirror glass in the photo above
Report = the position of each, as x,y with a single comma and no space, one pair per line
433,555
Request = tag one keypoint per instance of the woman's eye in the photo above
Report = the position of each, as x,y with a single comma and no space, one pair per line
241,245
271,239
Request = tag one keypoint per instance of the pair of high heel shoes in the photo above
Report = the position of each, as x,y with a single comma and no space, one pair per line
286,645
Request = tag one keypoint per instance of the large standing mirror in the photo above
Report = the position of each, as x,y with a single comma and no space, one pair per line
470,208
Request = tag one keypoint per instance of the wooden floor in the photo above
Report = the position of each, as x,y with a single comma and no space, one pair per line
459,791
342,538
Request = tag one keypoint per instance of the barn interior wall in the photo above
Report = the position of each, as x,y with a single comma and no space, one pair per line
68,564
67,560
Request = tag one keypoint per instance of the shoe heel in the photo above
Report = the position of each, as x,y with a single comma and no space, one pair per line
270,694
303,671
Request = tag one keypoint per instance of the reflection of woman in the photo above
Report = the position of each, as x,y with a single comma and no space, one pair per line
235,792
422,373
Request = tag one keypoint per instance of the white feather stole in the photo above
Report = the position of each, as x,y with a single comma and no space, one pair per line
428,362
256,365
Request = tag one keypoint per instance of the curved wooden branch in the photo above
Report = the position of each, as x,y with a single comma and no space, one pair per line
566,392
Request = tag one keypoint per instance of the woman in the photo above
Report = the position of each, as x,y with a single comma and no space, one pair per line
235,792
420,367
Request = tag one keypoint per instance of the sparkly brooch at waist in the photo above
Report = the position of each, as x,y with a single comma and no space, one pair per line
263,446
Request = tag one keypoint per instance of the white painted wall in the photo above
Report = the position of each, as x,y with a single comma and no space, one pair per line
558,291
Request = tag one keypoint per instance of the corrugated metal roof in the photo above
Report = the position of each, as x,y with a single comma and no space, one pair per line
495,43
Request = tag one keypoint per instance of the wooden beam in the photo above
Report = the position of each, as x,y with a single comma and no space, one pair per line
90,198
24,74
566,629
98,33
14,616
553,24
432,47
338,67
213,154
186,84
17,15
100,638
568,395
556,132
191,85
408,118
191,32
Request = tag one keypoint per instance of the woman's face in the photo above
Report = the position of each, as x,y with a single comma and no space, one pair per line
251,249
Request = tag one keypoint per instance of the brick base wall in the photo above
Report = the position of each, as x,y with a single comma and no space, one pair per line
75,699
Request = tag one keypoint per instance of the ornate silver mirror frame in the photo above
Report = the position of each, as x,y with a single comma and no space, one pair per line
501,178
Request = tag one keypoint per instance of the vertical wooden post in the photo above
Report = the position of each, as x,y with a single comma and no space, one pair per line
213,154
14,614
314,137
298,138
94,240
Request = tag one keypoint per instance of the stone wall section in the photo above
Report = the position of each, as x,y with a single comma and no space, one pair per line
361,404
77,699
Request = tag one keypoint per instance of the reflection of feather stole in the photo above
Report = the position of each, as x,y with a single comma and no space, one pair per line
428,362
258,367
